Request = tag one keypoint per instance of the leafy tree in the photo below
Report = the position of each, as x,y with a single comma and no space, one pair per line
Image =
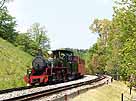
125,19
39,37
23,40
99,56
7,25
33,40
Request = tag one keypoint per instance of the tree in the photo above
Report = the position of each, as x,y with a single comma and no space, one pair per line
2,3
99,56
125,21
7,26
33,40
7,23
23,41
38,36
102,27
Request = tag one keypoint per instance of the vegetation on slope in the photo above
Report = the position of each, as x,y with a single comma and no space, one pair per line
111,92
13,65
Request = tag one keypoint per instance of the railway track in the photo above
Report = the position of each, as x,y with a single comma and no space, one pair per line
46,92
20,88
37,92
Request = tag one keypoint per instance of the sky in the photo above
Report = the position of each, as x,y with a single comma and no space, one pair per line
67,21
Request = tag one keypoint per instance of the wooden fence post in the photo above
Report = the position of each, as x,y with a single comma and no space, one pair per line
66,98
122,97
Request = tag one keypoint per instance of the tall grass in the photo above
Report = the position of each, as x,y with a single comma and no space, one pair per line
13,65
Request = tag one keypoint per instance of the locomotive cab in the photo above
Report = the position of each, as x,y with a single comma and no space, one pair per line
63,57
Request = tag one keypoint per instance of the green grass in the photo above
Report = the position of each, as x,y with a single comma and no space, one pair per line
13,65
111,92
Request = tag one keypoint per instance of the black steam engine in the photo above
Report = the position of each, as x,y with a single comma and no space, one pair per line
61,66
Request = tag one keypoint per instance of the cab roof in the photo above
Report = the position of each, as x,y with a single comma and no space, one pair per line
64,51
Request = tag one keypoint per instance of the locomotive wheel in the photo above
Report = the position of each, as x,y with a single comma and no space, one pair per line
49,80
63,76
33,84
42,83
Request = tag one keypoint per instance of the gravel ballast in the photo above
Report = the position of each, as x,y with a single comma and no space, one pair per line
73,92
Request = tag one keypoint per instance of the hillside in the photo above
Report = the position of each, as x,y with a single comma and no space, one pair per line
13,65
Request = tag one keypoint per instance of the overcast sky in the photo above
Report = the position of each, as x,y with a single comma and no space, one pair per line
67,21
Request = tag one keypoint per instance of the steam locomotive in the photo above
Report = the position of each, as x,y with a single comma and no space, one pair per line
62,66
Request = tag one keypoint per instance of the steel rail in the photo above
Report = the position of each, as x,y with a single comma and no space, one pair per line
19,89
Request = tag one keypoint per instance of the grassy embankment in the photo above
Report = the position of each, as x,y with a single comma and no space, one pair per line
111,92
13,65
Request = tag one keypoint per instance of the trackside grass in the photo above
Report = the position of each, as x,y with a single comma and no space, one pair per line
110,92
13,65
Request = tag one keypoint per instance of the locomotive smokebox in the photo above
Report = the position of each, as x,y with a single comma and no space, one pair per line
39,63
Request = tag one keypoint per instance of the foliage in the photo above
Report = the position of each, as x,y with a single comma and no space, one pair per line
78,52
98,53
7,25
34,39
38,37
116,45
